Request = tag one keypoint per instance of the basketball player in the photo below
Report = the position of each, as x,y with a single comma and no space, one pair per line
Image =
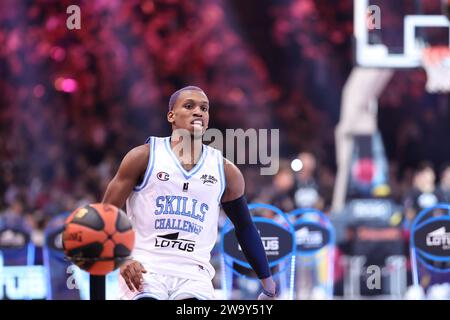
173,199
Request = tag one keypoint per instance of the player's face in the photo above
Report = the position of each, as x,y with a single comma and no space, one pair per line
190,112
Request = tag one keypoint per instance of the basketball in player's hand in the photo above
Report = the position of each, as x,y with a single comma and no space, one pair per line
98,238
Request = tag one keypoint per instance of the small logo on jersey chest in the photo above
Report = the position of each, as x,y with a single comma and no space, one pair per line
185,186
208,179
163,176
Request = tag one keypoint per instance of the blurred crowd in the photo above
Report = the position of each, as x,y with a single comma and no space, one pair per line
73,102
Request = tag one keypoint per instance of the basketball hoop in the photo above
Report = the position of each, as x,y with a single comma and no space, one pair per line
436,61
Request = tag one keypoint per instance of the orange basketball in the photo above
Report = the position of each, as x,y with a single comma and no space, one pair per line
98,238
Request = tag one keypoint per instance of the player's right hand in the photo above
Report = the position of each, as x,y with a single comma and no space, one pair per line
131,271
269,289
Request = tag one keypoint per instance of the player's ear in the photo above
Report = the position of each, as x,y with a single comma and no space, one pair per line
170,117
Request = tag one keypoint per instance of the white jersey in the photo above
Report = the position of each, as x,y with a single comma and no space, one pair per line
175,212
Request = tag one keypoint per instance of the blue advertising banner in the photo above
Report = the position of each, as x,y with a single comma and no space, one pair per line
315,248
19,278
277,236
430,244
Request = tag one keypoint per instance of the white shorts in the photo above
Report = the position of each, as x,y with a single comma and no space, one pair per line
164,287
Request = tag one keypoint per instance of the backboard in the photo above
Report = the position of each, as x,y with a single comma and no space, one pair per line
393,33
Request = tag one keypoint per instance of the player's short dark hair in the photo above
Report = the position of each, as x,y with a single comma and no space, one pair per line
174,97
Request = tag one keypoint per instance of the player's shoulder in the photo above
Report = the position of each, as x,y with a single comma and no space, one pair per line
136,159
230,169
235,183
140,151
143,151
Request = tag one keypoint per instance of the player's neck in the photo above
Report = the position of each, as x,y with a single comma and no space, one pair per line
188,153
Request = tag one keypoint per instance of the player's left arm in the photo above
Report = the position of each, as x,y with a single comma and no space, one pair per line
235,206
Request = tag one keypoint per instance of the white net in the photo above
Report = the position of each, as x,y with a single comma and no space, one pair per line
436,61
